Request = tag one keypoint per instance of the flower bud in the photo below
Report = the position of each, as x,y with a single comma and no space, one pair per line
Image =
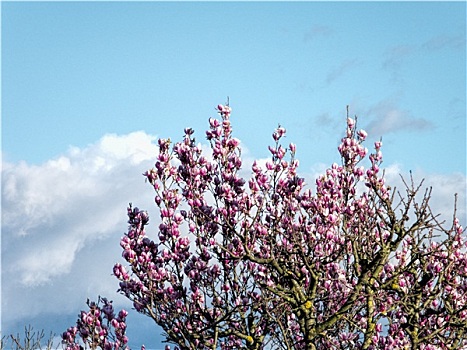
362,134
292,147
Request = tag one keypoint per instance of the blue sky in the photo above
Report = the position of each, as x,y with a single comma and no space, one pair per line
88,87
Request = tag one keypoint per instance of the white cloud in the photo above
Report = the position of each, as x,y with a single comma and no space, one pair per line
444,187
341,69
445,41
55,213
397,56
388,117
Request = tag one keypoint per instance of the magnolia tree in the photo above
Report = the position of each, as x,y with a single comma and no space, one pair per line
266,263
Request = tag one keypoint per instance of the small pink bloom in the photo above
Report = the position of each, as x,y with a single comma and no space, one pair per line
362,134
233,142
115,323
292,147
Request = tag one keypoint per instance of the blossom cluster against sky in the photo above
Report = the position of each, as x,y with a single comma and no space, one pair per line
87,88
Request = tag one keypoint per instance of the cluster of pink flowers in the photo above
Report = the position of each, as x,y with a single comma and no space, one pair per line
267,262
98,327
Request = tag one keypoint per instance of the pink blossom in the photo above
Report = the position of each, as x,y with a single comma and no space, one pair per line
362,134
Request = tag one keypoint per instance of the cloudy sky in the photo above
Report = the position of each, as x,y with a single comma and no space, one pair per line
87,88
